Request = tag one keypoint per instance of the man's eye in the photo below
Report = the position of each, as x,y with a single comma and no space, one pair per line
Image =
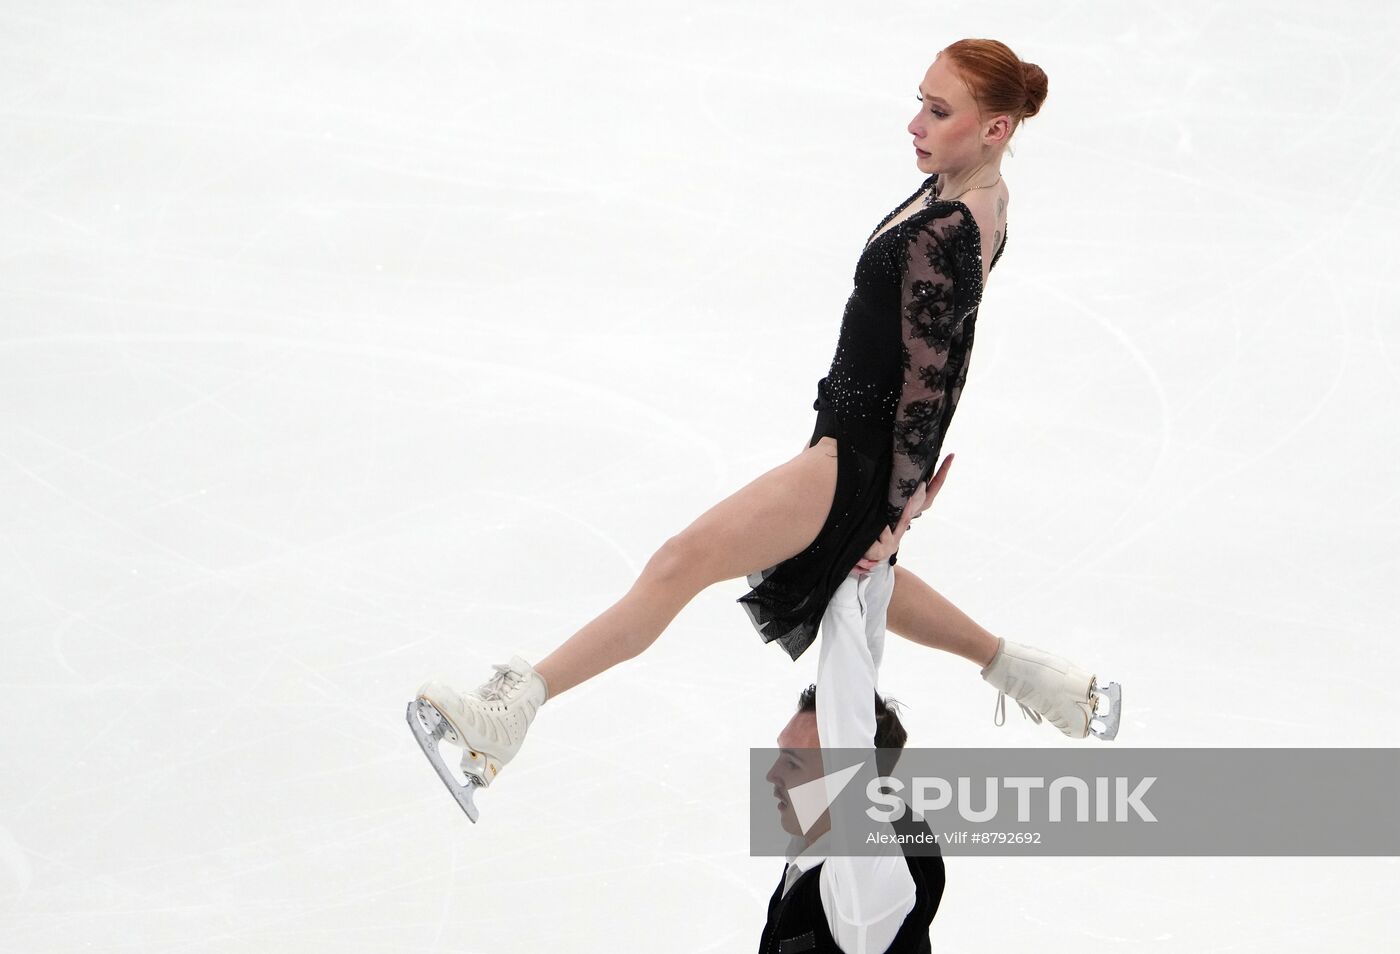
792,764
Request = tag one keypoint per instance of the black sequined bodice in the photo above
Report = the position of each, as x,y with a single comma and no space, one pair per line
906,334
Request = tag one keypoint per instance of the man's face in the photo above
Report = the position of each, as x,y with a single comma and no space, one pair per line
798,762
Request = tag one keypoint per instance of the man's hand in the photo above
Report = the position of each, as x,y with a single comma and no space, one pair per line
918,502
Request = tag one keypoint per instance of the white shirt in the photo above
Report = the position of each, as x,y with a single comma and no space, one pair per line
866,899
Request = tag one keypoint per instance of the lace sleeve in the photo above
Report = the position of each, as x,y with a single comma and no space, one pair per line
930,326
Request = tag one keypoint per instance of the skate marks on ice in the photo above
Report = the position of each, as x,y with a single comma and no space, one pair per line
16,875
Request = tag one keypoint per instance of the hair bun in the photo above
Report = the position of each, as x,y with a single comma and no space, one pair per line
1036,87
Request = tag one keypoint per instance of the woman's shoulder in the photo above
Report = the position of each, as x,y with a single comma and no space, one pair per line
975,216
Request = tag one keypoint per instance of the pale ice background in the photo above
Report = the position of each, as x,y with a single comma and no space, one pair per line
343,345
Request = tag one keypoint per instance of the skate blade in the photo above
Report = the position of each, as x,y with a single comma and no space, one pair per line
429,727
1105,725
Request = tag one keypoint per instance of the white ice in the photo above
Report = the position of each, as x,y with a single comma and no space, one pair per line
345,345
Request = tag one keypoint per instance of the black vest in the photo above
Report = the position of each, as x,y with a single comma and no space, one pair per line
797,921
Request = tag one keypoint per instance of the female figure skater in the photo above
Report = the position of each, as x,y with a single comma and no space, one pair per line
845,502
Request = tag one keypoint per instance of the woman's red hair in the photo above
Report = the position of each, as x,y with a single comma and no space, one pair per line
1000,82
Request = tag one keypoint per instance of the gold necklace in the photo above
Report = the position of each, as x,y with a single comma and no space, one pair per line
932,197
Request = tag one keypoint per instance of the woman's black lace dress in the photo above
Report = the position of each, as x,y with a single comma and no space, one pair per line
894,383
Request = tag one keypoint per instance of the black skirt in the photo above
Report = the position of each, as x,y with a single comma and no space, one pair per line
786,601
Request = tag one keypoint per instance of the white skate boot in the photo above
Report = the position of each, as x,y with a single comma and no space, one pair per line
489,724
1048,686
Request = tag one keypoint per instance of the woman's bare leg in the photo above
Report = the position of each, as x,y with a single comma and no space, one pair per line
773,517
920,613
1047,686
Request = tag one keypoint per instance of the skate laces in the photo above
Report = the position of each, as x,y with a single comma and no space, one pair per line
495,687
1026,711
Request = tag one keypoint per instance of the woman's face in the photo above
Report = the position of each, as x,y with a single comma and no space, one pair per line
947,130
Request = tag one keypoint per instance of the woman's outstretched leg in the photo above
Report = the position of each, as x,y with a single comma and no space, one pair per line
921,614
773,517
1044,685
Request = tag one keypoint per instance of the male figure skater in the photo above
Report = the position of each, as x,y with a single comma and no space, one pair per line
881,904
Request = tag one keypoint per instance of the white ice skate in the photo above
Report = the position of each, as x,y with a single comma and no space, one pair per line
1047,686
489,724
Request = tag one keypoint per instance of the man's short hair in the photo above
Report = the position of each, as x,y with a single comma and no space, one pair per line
889,731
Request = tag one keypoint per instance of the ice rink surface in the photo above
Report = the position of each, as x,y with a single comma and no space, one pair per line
347,345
